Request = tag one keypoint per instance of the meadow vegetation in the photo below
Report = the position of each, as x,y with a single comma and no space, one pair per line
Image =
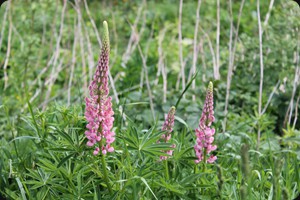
200,99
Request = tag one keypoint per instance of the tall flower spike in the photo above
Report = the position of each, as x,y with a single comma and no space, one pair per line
168,127
98,111
204,133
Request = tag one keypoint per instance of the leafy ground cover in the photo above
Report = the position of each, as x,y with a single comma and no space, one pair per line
162,54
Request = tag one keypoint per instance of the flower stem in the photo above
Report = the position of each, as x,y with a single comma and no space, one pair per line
167,169
204,161
105,174
196,169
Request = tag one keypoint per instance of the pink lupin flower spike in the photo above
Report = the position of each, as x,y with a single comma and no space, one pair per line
204,133
98,111
168,127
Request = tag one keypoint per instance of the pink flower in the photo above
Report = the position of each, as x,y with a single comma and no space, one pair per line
98,111
204,133
168,127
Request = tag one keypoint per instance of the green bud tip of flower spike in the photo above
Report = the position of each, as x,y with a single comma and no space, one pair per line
172,109
105,36
210,87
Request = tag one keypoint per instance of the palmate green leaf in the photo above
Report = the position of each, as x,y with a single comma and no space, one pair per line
21,188
33,174
61,149
42,194
190,179
150,138
145,182
182,121
60,188
134,133
183,152
36,184
65,159
11,194
97,191
25,137
46,164
7,153
157,147
130,142
189,158
33,118
131,137
146,137
174,187
114,196
64,135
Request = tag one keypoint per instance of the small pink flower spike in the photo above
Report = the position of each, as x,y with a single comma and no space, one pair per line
168,127
98,111
204,133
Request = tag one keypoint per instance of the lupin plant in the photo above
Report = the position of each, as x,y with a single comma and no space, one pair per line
99,112
204,133
168,127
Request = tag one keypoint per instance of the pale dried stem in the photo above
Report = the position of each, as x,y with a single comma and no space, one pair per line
161,54
275,88
296,111
268,15
3,24
232,50
81,42
179,74
217,66
147,82
261,69
203,59
112,84
134,37
50,54
51,79
43,42
146,55
36,94
270,97
93,23
230,68
90,57
130,89
8,45
195,49
19,36
210,47
73,61
161,68
165,82
182,66
237,32
55,74
115,34
146,51
296,82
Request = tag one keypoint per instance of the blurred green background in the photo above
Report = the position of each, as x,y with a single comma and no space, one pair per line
49,50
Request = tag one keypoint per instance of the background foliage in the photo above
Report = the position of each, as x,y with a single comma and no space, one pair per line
48,54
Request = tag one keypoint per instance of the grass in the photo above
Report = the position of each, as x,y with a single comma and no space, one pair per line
42,142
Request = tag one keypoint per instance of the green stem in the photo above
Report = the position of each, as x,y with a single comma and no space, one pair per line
204,161
105,174
196,169
167,169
